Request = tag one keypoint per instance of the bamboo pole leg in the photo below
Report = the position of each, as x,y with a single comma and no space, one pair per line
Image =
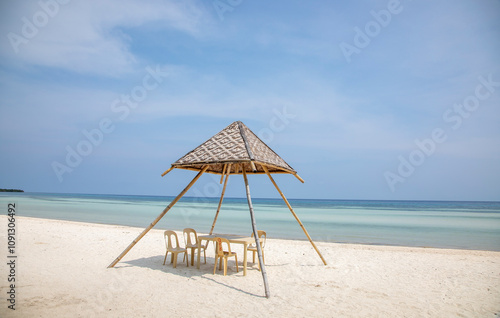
158,218
293,212
223,173
221,198
256,235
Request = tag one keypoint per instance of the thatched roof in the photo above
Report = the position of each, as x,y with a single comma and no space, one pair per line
236,145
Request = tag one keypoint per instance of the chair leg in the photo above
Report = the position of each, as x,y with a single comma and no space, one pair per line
236,261
165,258
225,266
187,259
253,254
174,259
192,255
215,265
205,254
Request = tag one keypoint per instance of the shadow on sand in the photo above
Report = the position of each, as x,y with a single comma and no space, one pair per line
156,263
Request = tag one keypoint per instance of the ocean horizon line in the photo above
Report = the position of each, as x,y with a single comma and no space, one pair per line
244,198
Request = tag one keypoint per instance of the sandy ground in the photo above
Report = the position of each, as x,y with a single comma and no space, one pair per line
61,271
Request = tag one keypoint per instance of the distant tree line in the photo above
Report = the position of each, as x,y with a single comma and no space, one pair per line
11,190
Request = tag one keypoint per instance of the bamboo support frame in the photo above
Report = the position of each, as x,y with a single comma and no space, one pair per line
262,163
158,218
223,172
169,169
256,236
221,198
252,165
298,177
293,212
281,171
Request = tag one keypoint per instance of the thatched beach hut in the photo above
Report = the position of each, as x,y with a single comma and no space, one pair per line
235,150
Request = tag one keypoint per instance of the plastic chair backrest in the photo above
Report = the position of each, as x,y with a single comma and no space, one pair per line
262,237
170,236
190,237
220,248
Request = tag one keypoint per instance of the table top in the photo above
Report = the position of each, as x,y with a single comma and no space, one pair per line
230,237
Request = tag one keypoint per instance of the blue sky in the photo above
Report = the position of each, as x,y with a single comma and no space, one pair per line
366,99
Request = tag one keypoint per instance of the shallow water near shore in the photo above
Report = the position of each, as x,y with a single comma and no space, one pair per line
442,224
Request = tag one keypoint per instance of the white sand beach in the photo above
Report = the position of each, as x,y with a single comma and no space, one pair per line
61,271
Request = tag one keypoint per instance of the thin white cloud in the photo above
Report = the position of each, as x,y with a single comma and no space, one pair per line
85,36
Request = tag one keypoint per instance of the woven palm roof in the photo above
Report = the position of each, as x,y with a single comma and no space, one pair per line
235,147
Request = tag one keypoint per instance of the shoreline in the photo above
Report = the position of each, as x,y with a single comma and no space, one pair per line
62,267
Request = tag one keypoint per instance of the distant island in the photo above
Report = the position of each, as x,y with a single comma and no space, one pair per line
11,190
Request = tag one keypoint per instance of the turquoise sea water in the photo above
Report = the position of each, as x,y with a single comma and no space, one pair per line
465,225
